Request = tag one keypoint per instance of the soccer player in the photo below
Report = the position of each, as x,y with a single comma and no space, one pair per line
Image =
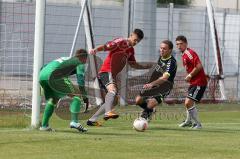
197,79
107,76
55,83
163,74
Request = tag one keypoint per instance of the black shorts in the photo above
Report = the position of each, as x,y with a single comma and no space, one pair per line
160,92
105,78
196,92
157,98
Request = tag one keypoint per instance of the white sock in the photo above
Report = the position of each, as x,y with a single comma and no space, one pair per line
188,117
100,111
109,99
194,114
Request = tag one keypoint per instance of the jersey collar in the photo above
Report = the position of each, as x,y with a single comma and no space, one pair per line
166,58
184,51
128,43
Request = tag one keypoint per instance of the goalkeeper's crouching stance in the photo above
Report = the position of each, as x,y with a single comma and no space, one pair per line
56,85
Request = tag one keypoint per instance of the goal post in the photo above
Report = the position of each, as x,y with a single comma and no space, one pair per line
216,48
38,60
84,2
90,45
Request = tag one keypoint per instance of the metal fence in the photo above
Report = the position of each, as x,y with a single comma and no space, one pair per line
17,31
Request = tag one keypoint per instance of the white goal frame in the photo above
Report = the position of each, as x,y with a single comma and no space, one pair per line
39,48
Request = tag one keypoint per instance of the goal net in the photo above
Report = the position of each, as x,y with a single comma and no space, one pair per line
158,23
16,47
199,26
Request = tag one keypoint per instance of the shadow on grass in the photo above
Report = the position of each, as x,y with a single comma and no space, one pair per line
33,141
208,130
100,132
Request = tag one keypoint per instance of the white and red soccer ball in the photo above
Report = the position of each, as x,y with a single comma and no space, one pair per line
140,124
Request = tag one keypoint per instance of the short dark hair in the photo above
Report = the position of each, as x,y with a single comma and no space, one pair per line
169,43
139,33
81,53
182,38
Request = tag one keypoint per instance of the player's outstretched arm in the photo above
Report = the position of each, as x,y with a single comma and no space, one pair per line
160,80
139,66
97,49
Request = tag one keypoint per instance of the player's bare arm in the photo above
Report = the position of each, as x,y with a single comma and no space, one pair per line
97,49
194,72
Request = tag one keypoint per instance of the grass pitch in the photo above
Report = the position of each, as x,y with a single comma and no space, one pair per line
219,138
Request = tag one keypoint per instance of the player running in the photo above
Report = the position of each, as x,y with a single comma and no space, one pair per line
162,80
55,83
197,79
107,75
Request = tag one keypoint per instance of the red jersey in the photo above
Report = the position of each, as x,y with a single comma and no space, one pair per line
190,60
119,45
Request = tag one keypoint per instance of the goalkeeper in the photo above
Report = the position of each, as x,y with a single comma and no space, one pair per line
56,84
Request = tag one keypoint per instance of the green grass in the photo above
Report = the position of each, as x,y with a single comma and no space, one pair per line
219,138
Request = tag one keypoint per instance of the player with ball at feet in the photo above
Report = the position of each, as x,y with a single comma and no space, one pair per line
120,51
160,82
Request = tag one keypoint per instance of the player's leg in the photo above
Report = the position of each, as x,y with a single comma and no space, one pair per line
193,113
188,105
109,102
188,121
74,108
93,120
142,102
51,100
75,104
148,104
107,80
195,94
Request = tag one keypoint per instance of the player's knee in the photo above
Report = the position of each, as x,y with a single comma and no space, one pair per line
112,88
152,103
138,100
189,103
113,92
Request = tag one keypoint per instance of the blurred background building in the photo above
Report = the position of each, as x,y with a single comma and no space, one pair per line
232,4
109,18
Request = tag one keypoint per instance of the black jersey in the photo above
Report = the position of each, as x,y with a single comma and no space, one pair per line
165,66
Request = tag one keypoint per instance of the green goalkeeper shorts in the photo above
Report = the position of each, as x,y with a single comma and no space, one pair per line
58,88
49,92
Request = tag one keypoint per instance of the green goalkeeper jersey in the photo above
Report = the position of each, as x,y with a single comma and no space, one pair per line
61,68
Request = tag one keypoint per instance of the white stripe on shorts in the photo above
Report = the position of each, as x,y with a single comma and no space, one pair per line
196,92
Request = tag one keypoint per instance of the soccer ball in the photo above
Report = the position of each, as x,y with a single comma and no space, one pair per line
140,124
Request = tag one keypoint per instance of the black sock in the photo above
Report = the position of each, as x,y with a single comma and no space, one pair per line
145,107
149,110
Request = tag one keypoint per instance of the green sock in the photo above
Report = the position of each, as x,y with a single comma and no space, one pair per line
75,108
48,111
